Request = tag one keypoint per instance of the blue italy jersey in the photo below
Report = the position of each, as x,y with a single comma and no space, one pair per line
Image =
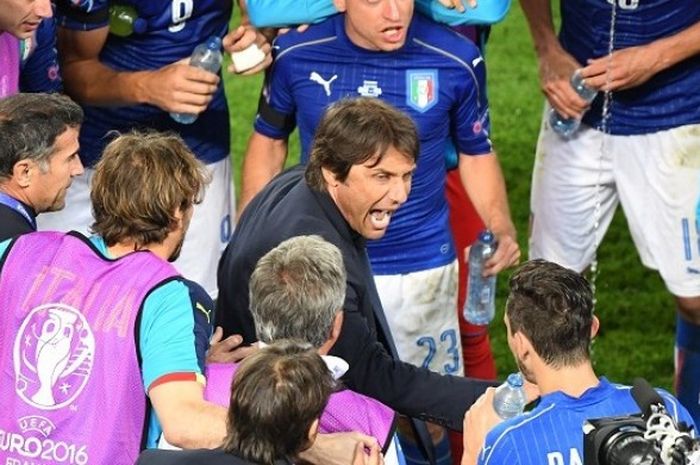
174,29
670,98
552,432
39,65
437,78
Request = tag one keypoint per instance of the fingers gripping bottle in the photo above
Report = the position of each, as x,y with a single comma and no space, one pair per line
480,304
207,56
566,127
509,399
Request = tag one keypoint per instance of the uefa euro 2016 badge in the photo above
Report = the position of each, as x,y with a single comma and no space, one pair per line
421,89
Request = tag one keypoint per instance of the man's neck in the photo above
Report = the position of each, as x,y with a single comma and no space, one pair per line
571,380
126,247
16,193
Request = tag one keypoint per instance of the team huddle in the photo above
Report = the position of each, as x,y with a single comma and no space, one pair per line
147,318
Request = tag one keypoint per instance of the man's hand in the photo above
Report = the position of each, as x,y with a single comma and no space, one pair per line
478,421
507,252
556,67
179,87
228,350
337,448
456,4
623,69
361,458
241,38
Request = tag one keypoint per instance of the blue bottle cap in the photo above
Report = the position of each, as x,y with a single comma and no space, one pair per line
140,25
515,379
214,43
486,236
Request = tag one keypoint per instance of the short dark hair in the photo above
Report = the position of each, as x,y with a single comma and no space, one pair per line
140,182
276,396
29,126
297,289
353,131
553,307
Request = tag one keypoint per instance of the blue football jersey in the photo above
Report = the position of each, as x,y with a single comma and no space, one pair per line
552,433
670,98
174,28
39,66
437,78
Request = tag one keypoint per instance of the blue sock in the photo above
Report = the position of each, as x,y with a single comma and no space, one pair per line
688,366
414,456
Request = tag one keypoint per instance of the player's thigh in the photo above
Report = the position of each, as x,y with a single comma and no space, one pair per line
420,310
660,192
573,197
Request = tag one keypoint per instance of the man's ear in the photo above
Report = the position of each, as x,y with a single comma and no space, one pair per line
334,334
329,178
340,5
22,172
313,431
595,326
522,346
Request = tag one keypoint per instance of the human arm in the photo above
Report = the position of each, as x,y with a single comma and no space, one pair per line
264,159
338,448
483,180
188,421
177,87
244,36
556,65
409,390
478,421
633,66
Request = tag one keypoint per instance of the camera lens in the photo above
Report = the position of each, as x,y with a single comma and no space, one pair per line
628,447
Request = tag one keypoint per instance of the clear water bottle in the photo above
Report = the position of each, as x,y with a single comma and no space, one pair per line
207,56
480,304
509,399
124,21
566,127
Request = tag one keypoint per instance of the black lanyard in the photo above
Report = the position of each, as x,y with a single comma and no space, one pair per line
17,206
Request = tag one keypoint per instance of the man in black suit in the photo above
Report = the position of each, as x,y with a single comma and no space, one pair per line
359,173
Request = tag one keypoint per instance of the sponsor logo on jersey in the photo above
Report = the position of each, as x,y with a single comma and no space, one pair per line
369,89
421,89
326,84
53,356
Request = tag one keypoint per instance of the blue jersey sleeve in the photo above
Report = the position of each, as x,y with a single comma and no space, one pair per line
277,108
82,15
203,310
3,248
168,334
486,12
470,117
498,449
279,13
40,70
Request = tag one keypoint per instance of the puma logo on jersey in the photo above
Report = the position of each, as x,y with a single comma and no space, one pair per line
315,77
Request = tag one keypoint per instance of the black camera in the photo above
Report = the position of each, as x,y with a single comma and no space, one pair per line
648,438
618,441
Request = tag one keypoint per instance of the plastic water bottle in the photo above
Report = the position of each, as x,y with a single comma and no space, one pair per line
566,127
509,399
124,21
207,56
480,305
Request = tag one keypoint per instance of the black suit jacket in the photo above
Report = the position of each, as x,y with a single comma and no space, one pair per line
287,207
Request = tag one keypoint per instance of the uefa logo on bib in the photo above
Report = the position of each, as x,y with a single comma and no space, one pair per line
53,356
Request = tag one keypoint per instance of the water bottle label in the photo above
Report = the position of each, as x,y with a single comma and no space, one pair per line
485,294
